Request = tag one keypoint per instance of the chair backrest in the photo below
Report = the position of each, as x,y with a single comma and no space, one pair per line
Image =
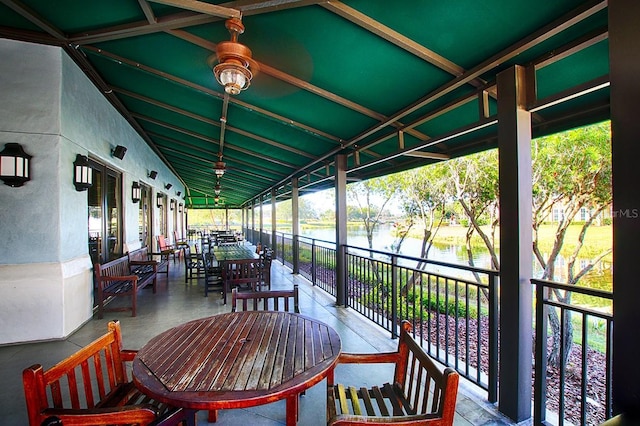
272,300
162,243
428,388
242,272
80,381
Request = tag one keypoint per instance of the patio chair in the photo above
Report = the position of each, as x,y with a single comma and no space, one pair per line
241,273
272,300
212,274
419,393
167,249
193,265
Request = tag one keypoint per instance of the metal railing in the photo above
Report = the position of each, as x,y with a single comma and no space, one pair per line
454,312
576,388
455,317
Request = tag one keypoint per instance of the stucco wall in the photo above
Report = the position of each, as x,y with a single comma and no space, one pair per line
54,111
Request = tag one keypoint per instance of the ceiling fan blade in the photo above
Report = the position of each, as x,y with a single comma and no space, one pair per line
201,7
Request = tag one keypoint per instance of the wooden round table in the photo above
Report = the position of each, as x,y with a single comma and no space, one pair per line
237,360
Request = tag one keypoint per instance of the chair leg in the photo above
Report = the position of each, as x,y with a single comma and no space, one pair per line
213,416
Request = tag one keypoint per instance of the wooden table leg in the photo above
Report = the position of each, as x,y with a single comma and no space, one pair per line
292,410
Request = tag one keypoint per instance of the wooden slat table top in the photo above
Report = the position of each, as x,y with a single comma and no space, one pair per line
234,252
236,360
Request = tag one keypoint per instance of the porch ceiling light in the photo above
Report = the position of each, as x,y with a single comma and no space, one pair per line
14,165
234,60
82,173
217,188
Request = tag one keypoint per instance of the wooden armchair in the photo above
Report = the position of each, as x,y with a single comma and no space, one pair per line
91,387
167,249
241,272
273,300
420,393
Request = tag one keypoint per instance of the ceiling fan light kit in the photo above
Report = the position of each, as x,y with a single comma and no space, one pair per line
234,60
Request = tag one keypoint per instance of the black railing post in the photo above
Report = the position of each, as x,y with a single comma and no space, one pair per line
313,262
540,386
492,391
394,296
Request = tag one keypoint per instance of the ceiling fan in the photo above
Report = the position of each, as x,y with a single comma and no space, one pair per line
235,67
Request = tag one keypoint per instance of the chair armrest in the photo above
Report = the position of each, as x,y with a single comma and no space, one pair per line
124,415
128,354
348,420
374,358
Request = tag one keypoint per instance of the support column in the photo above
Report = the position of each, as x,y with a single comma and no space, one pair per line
624,69
341,228
516,257
295,224
274,236
261,220
253,222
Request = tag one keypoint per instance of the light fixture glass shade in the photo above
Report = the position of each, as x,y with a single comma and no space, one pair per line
180,208
233,77
14,165
217,189
82,173
172,204
159,201
135,192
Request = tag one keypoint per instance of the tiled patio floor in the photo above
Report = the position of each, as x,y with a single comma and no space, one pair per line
175,303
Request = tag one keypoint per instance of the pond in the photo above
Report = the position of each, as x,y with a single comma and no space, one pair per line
383,239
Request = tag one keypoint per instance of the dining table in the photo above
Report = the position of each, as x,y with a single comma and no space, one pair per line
237,360
234,252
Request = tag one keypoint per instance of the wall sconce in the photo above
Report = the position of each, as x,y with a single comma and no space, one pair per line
82,173
153,174
159,201
172,204
180,208
168,186
14,165
119,151
178,193
135,192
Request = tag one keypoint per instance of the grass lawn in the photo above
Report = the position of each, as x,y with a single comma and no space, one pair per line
598,238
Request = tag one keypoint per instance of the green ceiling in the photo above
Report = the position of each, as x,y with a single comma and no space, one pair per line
356,77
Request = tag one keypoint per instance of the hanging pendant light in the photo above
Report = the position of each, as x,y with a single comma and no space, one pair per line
234,60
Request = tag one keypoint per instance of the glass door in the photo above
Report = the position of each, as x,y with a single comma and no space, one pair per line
105,214
144,218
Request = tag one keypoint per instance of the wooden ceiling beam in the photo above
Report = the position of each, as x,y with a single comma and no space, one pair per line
202,7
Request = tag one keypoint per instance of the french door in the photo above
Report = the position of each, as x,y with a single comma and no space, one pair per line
105,214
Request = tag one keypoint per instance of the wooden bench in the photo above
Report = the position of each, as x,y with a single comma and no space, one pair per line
271,300
92,387
141,258
115,278
420,393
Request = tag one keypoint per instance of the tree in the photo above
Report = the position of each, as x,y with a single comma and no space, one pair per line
473,182
571,172
424,198
371,197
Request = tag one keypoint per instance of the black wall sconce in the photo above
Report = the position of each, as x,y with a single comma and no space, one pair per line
178,193
153,174
180,208
135,192
82,173
14,165
172,204
159,201
168,186
119,151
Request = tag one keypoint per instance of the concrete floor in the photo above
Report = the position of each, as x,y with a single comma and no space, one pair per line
175,303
